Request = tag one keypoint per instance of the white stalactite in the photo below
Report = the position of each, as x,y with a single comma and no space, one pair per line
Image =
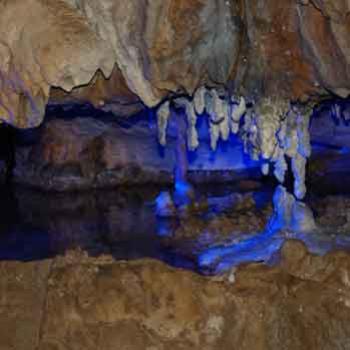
199,100
192,135
237,113
221,115
281,168
272,131
214,128
299,169
225,123
163,114
304,143
265,168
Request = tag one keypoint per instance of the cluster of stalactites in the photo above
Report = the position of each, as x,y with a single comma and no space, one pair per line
223,111
274,131
271,130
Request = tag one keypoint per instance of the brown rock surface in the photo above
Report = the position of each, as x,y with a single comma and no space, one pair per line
292,50
97,303
110,94
86,153
100,152
23,291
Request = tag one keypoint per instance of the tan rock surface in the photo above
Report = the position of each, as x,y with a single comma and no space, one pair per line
97,303
292,49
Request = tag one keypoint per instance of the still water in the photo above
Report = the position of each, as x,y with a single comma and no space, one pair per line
123,224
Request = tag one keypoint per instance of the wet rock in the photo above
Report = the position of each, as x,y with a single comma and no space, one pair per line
97,303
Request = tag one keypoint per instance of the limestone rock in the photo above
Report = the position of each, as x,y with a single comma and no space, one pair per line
154,45
36,54
97,303
84,153
264,48
87,153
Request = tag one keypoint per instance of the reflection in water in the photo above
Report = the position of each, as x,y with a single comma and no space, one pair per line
223,232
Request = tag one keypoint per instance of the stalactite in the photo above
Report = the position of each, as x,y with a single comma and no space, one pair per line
275,131
281,168
265,168
298,168
237,113
192,135
163,114
304,143
272,130
214,128
199,100
221,115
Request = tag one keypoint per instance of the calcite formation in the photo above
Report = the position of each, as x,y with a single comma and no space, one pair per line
220,54
271,130
295,50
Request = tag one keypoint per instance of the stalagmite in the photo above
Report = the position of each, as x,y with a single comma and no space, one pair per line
290,213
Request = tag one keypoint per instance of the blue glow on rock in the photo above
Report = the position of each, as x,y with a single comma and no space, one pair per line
257,248
165,205
183,194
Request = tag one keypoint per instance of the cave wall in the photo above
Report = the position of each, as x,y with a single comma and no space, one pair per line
292,50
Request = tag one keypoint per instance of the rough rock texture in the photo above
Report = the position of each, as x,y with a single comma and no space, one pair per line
294,49
84,153
86,303
109,95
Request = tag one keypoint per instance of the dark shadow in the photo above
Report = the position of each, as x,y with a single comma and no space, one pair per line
7,150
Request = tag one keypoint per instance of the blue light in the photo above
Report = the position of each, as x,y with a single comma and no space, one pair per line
164,205
344,150
183,193
258,247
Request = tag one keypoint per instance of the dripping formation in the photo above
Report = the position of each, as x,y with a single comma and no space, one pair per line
272,131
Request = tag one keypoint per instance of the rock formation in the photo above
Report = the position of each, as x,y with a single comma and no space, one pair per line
124,55
295,50
78,302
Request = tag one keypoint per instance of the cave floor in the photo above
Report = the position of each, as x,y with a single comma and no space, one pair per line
86,271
